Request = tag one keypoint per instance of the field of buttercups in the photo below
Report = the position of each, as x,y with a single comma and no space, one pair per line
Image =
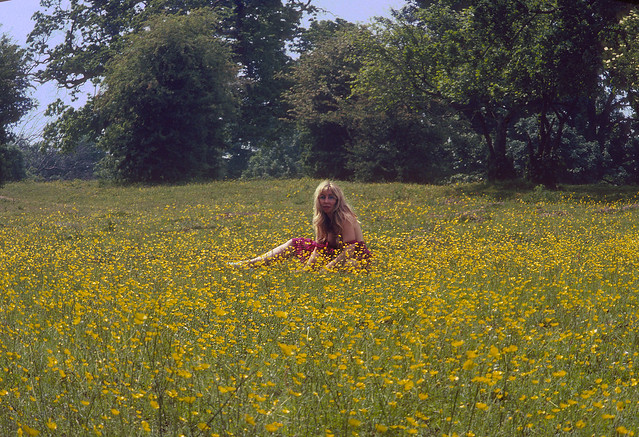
486,313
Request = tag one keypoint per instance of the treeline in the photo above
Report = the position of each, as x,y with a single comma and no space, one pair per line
444,90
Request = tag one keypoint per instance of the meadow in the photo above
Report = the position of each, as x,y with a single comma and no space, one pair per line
489,311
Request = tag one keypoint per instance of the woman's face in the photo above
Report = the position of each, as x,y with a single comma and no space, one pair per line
327,201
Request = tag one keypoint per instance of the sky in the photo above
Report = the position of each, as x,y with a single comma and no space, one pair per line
15,21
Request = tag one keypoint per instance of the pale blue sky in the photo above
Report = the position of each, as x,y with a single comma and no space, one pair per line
15,20
15,15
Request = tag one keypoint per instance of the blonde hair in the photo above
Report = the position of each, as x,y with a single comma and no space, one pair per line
322,224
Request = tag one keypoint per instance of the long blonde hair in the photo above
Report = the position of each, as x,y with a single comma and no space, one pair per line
322,224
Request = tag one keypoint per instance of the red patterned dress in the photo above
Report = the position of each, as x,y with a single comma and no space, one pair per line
304,247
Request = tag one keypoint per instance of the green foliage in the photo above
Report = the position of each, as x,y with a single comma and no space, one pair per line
322,80
496,61
542,88
396,146
14,101
320,31
260,35
12,162
277,161
14,83
70,126
349,131
48,164
621,59
577,160
168,101
608,117
429,58
94,31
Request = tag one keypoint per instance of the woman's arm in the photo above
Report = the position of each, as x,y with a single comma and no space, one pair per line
352,232
344,256
313,258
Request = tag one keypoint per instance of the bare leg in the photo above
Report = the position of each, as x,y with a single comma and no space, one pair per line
280,252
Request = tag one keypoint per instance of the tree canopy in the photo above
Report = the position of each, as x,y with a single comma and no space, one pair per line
495,61
74,42
545,89
168,101
14,99
348,131
14,86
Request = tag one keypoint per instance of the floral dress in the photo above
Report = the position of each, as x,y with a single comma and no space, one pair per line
304,247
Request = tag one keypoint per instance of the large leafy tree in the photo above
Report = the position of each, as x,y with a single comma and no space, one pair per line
168,100
621,59
495,61
75,40
14,99
565,65
349,133
322,80
262,34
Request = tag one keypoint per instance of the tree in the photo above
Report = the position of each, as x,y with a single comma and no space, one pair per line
47,164
74,41
168,100
262,34
14,101
621,58
322,80
395,145
495,61
13,163
94,31
565,53
281,160
621,82
350,133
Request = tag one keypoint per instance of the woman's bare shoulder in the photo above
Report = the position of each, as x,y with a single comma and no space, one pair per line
352,229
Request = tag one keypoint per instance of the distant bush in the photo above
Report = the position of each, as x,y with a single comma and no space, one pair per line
48,165
280,160
12,164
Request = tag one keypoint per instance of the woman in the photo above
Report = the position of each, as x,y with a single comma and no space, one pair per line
338,236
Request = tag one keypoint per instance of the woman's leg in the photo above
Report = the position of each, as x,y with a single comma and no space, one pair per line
282,251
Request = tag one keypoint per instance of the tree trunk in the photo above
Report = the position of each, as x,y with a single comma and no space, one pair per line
542,168
500,165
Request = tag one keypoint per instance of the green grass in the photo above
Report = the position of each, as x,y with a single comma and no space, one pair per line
491,310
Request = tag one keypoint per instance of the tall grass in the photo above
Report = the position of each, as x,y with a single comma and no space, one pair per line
489,311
